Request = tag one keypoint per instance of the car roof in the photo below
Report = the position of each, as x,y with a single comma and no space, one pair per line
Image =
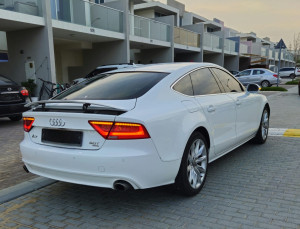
116,66
167,67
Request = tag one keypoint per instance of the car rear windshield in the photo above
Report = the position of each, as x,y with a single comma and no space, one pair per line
5,81
114,86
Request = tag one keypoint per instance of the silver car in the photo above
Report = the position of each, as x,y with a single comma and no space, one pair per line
260,76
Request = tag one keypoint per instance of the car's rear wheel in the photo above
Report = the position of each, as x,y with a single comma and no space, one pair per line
262,133
265,83
15,118
194,164
292,76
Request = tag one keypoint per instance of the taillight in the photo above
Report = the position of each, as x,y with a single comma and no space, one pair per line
27,123
25,92
120,130
275,75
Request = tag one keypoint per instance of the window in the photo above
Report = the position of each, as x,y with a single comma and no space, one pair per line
5,81
99,71
229,83
258,72
114,86
204,82
245,73
184,86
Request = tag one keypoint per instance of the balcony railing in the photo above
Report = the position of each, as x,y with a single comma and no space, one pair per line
186,37
212,41
32,7
243,48
147,28
87,14
230,46
264,51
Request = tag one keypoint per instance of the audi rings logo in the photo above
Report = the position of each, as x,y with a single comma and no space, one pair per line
57,122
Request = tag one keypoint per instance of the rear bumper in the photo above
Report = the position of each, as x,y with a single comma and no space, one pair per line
12,109
136,162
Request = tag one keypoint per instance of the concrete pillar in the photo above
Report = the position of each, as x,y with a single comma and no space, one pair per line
231,63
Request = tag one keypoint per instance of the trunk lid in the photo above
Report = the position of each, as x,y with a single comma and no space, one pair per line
65,123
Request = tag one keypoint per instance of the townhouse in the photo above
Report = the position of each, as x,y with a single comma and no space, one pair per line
60,40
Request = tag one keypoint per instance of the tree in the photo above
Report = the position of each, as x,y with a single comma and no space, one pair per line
296,47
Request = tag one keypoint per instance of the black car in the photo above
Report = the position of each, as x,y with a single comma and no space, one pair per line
12,99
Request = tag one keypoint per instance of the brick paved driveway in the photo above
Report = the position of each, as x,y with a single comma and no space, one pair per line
255,186
11,171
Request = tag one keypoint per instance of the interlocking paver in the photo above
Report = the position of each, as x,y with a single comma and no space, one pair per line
11,171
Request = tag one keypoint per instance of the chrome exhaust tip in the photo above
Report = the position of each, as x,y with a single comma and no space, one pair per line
122,185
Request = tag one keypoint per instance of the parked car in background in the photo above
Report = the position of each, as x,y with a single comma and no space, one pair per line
289,72
156,125
260,76
102,69
12,99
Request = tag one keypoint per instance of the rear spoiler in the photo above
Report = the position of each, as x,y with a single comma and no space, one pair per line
85,105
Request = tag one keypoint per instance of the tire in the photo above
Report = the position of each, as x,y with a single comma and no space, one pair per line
15,118
265,83
193,168
292,76
262,133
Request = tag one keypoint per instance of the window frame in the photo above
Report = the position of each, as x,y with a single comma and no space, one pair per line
241,86
196,69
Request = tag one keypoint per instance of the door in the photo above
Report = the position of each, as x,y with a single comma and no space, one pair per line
244,76
218,108
246,105
256,76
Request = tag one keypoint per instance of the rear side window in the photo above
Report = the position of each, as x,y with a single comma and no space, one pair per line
204,82
229,83
115,86
258,72
184,86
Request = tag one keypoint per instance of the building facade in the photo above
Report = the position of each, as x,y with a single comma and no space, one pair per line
60,40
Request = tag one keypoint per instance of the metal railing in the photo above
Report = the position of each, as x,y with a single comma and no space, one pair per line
186,37
263,51
147,28
88,14
32,7
243,48
212,41
230,46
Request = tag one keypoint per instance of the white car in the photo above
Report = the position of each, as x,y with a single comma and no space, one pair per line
260,76
289,72
146,127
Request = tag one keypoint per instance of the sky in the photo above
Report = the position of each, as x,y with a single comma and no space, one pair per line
267,18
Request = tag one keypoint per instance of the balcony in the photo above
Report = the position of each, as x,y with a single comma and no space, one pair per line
147,28
186,37
271,51
264,52
87,14
212,42
230,46
33,7
243,48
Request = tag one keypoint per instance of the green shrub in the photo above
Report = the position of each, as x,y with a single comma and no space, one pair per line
293,82
273,89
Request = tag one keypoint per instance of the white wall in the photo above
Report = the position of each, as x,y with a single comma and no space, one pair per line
148,13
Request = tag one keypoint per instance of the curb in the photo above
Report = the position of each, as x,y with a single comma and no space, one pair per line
26,187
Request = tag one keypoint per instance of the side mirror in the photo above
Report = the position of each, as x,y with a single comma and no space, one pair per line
253,88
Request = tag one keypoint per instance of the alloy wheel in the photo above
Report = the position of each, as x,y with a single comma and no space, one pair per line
197,163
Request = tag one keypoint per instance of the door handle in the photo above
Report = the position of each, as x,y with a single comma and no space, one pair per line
211,108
